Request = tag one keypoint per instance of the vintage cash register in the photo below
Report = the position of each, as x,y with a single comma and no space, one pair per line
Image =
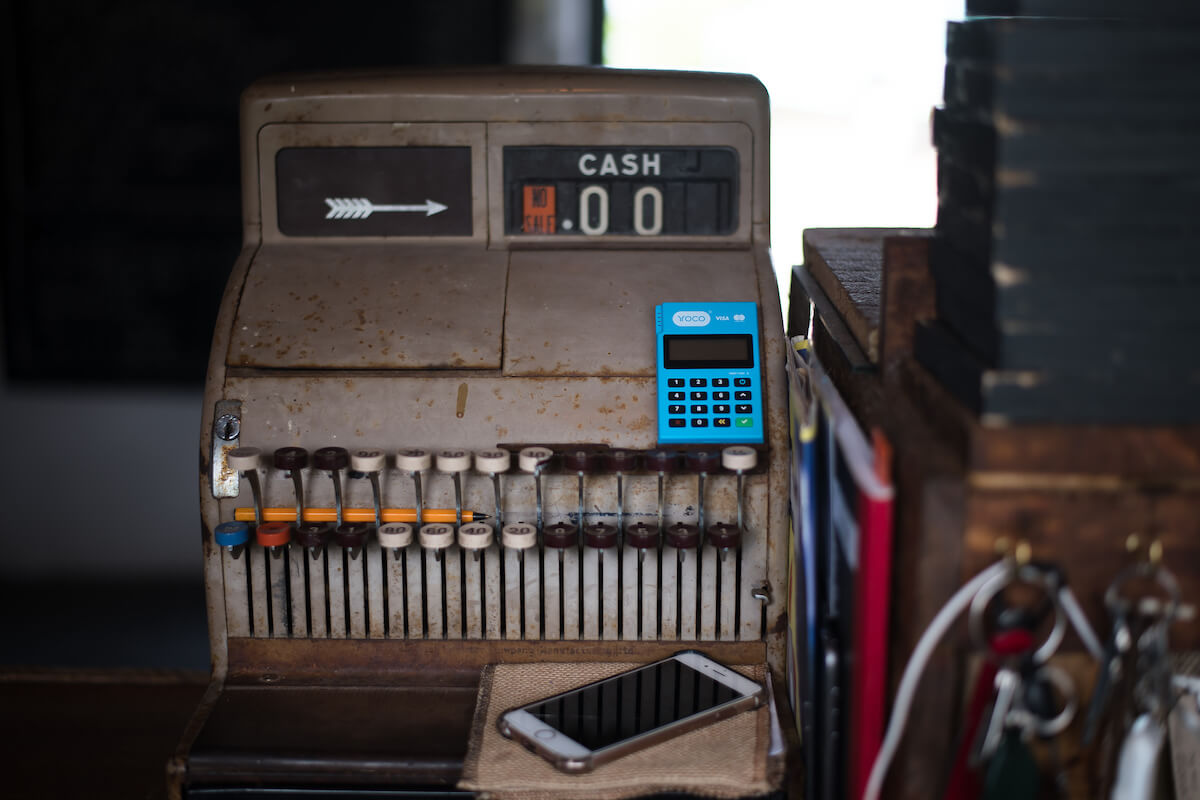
498,376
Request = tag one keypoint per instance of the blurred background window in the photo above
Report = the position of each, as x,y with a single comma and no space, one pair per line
851,85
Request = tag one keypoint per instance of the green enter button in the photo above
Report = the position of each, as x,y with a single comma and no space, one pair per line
744,422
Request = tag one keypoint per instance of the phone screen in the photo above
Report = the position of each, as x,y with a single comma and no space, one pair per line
632,703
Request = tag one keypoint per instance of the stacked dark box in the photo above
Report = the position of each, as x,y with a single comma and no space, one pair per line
1067,254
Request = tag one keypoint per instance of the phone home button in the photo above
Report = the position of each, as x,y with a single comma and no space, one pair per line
544,733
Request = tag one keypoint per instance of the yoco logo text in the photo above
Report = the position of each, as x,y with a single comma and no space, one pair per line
690,319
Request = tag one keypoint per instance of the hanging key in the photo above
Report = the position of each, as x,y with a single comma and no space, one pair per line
964,783
995,722
1109,674
1012,773
1139,765
1043,686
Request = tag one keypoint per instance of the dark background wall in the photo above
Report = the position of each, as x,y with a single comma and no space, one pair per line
121,220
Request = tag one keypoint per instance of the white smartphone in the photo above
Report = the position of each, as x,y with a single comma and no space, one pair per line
585,727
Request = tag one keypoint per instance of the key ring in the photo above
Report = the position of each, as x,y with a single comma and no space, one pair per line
992,588
1120,605
1048,728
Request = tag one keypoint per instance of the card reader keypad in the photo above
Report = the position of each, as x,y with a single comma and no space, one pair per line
717,415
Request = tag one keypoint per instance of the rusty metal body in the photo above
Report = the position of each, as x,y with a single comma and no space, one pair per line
481,339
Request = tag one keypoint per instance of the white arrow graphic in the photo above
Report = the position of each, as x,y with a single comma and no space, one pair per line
361,208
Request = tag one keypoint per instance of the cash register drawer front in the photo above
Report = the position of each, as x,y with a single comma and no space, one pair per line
363,736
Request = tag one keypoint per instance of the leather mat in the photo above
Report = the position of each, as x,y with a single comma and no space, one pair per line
726,759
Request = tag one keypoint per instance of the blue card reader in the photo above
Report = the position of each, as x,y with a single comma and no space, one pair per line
709,381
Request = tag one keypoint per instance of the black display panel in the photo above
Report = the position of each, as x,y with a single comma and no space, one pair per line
624,706
621,191
696,351
374,191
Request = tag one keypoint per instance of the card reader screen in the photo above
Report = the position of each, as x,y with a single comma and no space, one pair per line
696,351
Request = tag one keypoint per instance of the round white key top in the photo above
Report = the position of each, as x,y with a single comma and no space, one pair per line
739,458
529,458
437,536
367,460
518,535
413,460
492,461
454,460
244,458
395,534
474,536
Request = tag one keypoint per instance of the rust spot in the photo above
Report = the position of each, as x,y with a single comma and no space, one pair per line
642,423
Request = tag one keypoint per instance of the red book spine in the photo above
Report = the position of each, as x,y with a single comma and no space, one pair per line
872,606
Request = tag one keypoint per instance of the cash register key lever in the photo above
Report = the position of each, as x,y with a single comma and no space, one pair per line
232,536
369,463
518,536
740,459
455,462
683,537
476,537
292,460
245,461
395,536
436,536
533,460
642,537
599,535
333,460
493,463
352,536
580,462
723,536
664,462
274,536
620,462
413,461
701,462
313,536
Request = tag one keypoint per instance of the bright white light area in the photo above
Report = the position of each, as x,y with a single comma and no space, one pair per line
852,86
